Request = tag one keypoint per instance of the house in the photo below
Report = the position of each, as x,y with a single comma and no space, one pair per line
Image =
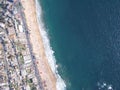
27,62
27,57
11,31
2,25
21,28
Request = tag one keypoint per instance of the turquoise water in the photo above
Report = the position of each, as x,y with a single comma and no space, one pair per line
85,35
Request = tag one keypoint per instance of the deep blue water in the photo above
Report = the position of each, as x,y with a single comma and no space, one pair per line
85,35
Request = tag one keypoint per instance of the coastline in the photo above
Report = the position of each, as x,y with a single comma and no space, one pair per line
47,76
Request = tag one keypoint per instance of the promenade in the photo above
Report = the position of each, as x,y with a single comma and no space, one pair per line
48,78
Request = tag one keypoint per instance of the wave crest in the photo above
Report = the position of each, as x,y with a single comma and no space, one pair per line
60,85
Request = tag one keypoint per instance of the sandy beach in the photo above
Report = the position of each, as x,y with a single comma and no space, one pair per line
47,76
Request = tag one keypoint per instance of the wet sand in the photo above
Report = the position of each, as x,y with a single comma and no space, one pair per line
47,76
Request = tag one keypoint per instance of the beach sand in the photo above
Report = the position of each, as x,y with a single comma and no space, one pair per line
47,76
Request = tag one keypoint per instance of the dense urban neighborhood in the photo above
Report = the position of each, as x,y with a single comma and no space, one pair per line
18,69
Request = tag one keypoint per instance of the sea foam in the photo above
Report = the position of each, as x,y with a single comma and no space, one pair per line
60,85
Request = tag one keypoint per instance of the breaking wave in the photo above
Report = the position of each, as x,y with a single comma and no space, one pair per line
60,85
104,86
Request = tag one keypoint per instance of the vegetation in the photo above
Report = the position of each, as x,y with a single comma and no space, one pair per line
21,59
20,46
10,56
5,42
32,87
16,86
11,85
28,70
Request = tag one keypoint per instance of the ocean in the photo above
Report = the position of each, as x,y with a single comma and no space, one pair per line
82,42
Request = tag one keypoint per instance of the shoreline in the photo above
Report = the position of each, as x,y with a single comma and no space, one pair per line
48,78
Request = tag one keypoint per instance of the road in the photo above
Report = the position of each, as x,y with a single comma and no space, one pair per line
30,48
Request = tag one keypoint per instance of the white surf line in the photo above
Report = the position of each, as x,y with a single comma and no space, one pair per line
60,85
